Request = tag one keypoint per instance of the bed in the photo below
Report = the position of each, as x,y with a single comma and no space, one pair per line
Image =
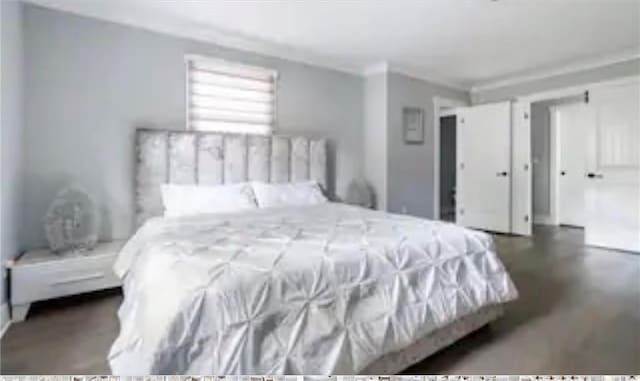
319,289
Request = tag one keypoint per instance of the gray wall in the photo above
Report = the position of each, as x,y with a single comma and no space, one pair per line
11,130
90,83
410,167
375,136
447,163
623,69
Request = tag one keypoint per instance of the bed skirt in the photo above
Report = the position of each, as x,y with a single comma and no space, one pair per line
396,362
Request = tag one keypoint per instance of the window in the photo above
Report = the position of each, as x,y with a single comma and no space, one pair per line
228,97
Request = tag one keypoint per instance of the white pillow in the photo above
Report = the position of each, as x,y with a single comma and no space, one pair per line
188,200
288,194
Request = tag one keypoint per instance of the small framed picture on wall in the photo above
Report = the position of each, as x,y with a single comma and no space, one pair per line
413,125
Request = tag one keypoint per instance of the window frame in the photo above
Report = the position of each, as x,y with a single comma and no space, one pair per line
189,58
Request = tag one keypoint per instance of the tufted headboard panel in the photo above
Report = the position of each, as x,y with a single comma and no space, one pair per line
190,157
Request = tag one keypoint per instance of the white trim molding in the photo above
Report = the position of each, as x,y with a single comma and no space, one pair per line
554,151
379,68
575,90
387,67
448,112
625,56
424,75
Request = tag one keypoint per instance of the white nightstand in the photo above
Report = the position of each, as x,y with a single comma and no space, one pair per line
40,275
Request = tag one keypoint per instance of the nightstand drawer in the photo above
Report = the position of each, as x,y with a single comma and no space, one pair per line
60,278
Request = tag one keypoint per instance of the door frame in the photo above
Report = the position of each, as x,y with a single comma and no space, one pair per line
554,152
441,107
521,200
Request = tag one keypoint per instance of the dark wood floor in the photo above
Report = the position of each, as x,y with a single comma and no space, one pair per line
578,313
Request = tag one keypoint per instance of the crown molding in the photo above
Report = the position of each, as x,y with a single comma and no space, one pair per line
426,76
165,24
137,17
160,23
625,56
386,67
379,68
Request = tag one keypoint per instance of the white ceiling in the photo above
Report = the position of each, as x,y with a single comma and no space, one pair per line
461,42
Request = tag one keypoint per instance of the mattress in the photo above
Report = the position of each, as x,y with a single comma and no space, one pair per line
326,289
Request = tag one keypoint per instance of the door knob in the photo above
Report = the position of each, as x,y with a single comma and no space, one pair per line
592,175
503,174
562,173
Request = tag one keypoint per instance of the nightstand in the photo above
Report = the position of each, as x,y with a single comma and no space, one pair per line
40,275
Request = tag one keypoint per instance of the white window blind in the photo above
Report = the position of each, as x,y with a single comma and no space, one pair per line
228,97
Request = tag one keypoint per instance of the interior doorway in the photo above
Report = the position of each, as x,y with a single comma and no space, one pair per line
558,130
445,110
593,163
448,168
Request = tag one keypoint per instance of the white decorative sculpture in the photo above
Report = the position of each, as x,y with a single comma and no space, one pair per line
72,221
360,193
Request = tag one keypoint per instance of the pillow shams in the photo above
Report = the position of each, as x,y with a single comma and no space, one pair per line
188,200
288,194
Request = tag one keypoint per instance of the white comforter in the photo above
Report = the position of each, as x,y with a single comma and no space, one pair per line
307,290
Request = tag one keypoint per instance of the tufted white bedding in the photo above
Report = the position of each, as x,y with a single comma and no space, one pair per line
323,289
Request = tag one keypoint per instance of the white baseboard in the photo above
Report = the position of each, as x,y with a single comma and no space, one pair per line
543,220
5,320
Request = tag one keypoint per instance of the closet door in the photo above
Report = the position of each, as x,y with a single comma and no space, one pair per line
572,122
612,197
484,164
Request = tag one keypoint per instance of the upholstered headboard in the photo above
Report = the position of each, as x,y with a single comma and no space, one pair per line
189,157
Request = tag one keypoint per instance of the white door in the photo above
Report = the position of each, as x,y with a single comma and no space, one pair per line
573,121
613,182
521,186
484,162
